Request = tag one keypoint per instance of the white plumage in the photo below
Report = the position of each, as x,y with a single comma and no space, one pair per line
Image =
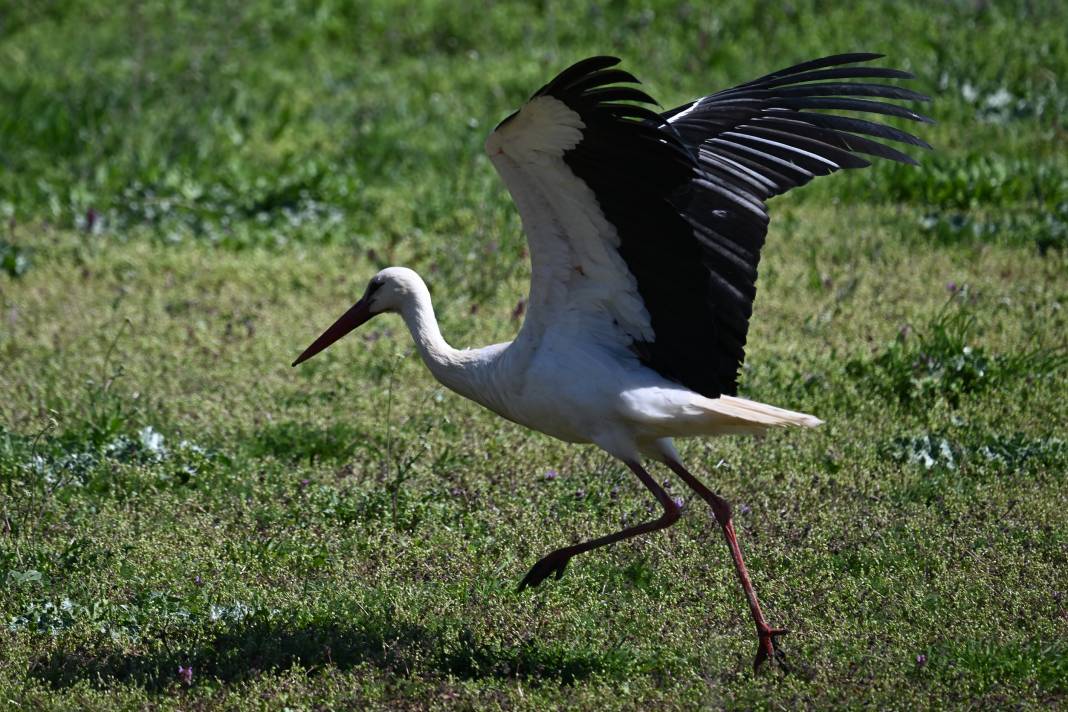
644,232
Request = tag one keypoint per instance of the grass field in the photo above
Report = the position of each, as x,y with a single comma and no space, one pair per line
190,191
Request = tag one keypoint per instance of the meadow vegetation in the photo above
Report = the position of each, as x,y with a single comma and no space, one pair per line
190,191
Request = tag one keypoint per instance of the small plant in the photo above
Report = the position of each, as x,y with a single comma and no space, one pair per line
976,450
106,414
940,362
966,182
28,481
14,260
936,363
399,458
929,451
34,470
1046,229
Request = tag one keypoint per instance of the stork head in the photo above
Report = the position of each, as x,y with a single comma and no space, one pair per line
388,291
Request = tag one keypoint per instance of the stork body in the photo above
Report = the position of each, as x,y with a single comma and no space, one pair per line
645,232
574,385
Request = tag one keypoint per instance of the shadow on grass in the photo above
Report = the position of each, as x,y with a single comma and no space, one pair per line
295,442
244,651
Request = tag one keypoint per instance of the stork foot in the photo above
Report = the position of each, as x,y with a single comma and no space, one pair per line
768,648
555,562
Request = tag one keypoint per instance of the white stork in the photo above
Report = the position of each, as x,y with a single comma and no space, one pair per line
645,231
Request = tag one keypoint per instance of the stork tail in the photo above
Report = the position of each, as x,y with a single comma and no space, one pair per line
732,415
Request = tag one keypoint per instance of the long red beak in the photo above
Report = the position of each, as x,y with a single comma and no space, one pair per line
358,314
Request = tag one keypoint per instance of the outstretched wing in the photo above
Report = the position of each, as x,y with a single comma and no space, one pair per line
646,229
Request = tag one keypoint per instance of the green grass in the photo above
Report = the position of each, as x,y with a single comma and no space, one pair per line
190,191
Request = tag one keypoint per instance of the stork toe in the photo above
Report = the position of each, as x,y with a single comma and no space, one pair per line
768,648
554,562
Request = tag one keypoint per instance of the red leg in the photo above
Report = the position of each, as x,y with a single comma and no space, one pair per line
767,643
556,561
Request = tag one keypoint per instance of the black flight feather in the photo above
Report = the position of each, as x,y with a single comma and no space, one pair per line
686,189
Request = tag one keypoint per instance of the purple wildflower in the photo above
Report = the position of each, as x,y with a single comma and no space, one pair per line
951,287
197,581
550,474
921,659
744,509
304,483
679,501
185,674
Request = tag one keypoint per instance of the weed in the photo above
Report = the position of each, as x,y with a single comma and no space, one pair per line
977,451
974,181
106,411
14,259
1046,229
941,361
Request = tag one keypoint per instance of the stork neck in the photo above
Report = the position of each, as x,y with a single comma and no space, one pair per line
444,361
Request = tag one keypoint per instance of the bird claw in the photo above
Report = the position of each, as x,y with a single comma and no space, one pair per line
554,562
768,648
